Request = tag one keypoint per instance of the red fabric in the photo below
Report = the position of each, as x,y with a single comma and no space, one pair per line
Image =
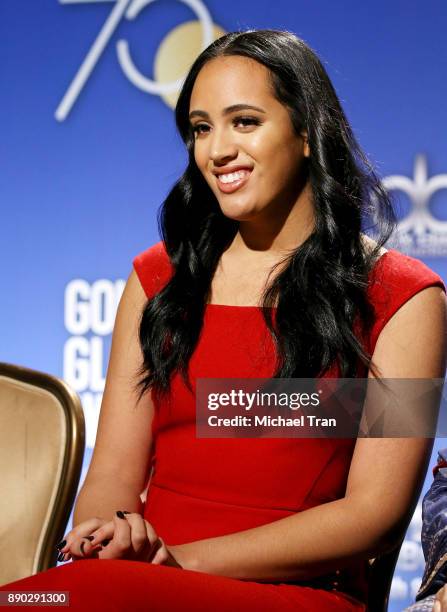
438,466
221,486
131,586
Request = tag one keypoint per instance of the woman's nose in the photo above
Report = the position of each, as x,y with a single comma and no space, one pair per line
223,147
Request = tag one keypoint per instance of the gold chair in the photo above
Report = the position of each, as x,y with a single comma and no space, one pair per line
42,440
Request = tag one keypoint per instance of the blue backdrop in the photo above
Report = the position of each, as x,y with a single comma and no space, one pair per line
89,152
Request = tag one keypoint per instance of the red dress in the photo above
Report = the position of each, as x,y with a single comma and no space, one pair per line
221,486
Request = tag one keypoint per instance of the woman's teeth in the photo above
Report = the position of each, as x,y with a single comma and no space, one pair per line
233,176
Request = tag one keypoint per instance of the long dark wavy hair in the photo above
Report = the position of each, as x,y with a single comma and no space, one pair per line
321,290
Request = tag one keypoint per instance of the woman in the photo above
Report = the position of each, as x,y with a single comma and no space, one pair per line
432,593
268,212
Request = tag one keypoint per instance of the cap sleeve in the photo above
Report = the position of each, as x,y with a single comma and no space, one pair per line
153,268
395,279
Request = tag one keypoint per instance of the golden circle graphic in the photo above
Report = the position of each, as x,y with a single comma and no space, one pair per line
177,52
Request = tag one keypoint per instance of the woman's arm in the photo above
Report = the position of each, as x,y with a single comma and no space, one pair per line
119,467
383,485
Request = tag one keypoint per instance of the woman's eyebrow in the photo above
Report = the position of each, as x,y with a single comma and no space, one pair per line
226,111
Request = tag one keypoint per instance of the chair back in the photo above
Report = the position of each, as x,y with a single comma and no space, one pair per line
42,440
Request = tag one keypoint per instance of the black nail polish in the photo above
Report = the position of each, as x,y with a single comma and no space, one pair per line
61,544
81,548
60,557
105,542
120,514
89,538
126,512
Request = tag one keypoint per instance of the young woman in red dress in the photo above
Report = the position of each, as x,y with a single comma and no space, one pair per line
263,271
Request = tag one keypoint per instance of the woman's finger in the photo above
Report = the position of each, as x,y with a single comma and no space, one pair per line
153,542
102,535
73,538
85,546
151,534
81,548
161,553
142,535
80,530
119,545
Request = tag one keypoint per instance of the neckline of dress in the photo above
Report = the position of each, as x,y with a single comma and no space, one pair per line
251,307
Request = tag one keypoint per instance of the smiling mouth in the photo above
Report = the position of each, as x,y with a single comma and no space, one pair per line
228,183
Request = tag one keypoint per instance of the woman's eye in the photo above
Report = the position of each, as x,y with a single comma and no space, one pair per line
246,121
199,128
202,128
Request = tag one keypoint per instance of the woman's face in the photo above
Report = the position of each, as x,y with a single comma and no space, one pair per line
245,145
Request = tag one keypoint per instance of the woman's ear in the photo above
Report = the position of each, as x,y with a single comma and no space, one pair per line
306,149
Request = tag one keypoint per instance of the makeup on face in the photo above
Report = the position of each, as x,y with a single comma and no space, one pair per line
245,144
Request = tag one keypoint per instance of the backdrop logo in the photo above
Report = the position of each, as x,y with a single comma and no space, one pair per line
175,54
419,233
89,315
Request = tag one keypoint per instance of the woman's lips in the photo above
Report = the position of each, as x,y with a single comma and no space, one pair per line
233,185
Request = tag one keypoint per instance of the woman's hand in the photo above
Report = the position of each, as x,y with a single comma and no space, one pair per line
440,604
127,536
74,541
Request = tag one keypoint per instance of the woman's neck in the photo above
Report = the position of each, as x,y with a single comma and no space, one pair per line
277,232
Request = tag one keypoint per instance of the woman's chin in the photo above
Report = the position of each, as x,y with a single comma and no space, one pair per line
242,212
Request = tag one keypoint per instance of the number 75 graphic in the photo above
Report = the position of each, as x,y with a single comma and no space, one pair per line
129,9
